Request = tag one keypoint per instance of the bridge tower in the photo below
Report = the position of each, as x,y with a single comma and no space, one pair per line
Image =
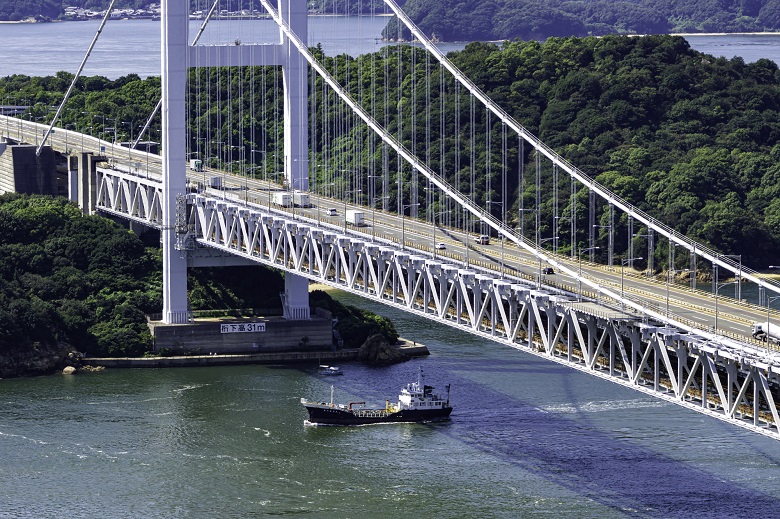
177,56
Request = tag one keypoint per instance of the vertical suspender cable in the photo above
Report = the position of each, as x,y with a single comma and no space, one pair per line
75,78
159,103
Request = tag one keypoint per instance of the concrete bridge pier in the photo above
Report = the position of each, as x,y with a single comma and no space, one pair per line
295,299
72,163
85,183
22,171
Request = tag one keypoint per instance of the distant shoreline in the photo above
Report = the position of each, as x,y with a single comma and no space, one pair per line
724,34
157,18
683,34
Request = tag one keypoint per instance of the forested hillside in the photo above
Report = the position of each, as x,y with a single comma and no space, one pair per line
14,10
86,282
462,20
689,138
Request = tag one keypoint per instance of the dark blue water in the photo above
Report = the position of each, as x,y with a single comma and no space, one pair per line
528,438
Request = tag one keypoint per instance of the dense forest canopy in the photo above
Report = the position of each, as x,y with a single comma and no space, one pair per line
14,10
688,138
87,282
465,20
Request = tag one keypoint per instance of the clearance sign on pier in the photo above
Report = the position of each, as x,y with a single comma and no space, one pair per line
242,327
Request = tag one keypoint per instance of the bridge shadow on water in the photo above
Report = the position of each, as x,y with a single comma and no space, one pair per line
629,468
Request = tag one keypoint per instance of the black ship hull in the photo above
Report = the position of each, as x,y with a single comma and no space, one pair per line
340,416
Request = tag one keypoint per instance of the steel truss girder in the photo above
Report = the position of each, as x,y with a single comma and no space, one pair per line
660,361
130,196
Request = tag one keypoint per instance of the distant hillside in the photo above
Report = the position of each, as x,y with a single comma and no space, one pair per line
14,10
466,20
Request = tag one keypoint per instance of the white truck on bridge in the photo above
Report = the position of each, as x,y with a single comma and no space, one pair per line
283,199
766,332
301,199
355,217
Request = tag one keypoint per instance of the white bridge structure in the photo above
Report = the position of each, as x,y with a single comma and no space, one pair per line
601,330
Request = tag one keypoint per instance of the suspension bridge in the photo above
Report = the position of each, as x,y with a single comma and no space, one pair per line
466,217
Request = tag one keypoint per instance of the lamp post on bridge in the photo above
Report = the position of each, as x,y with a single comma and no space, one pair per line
130,125
246,189
241,167
650,252
404,207
435,245
372,189
738,288
579,278
769,300
501,235
623,262
717,288
107,131
219,147
670,271
373,214
609,242
82,137
762,295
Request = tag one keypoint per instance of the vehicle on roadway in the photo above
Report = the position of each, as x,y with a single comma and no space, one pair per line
548,270
483,239
301,199
441,246
283,199
355,217
766,332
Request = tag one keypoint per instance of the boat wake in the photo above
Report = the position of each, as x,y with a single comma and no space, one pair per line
606,405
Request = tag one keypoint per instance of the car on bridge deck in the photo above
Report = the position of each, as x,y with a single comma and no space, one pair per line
441,246
548,270
331,211
483,239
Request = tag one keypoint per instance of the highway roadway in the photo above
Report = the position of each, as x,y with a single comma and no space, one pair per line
678,301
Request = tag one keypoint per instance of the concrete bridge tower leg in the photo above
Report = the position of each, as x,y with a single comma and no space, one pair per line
295,80
296,136
175,47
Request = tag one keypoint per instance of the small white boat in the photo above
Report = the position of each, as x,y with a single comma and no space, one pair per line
329,370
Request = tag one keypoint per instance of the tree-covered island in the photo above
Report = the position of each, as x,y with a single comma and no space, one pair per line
73,283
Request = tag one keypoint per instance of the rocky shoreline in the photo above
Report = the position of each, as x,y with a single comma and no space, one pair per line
38,360
43,360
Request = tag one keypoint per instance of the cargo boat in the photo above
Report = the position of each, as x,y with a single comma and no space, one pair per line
416,403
